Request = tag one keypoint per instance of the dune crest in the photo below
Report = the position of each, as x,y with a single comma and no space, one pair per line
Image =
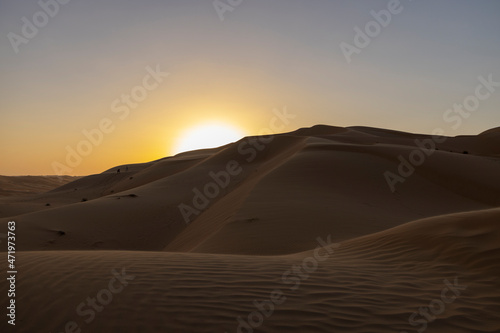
297,233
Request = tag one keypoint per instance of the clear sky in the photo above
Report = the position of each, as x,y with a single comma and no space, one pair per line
75,69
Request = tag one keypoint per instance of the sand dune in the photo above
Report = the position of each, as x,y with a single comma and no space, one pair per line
370,284
17,193
394,252
322,180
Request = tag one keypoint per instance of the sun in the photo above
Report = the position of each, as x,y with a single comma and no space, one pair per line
208,135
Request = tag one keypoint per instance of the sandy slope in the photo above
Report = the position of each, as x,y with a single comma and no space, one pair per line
26,185
18,194
398,251
370,284
321,180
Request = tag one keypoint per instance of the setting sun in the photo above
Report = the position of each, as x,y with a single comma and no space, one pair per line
209,135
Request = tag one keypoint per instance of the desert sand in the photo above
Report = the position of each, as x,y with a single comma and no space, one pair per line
300,232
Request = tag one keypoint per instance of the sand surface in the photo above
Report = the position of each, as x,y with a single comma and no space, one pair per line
385,257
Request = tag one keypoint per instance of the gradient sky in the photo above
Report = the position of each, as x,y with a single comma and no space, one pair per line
266,54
